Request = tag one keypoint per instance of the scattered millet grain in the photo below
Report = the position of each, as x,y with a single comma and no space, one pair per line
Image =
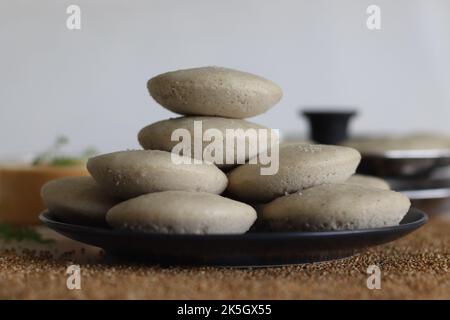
416,267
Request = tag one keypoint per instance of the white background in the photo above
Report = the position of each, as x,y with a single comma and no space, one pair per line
91,84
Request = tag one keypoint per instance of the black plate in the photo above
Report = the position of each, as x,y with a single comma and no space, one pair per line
250,249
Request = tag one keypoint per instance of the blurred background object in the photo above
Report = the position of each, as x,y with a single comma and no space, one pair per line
90,84
21,181
328,126
416,164
406,156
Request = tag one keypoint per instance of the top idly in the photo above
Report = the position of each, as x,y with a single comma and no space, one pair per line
214,91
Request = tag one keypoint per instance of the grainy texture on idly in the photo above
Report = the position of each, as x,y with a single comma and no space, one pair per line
336,207
368,181
214,91
128,174
77,200
182,212
157,136
301,166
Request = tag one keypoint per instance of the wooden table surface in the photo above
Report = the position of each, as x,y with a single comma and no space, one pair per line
416,266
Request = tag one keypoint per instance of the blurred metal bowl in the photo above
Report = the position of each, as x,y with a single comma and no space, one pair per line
431,194
404,163
422,189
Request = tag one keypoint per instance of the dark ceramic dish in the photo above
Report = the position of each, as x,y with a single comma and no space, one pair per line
430,194
404,163
422,189
250,249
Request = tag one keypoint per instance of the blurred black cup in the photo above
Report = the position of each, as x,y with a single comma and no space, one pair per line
328,126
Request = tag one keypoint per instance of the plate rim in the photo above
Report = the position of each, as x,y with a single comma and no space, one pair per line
420,221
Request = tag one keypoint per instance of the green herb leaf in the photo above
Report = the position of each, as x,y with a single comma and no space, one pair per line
65,161
54,157
10,233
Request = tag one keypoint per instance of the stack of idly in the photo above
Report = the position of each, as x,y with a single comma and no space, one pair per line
217,98
155,190
158,190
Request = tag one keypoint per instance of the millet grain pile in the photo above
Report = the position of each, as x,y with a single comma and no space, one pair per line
416,267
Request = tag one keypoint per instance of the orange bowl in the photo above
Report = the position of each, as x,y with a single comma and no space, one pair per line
20,187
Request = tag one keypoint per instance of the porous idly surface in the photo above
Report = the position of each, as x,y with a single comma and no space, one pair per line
368,181
214,91
301,166
77,200
128,174
158,136
336,207
182,212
